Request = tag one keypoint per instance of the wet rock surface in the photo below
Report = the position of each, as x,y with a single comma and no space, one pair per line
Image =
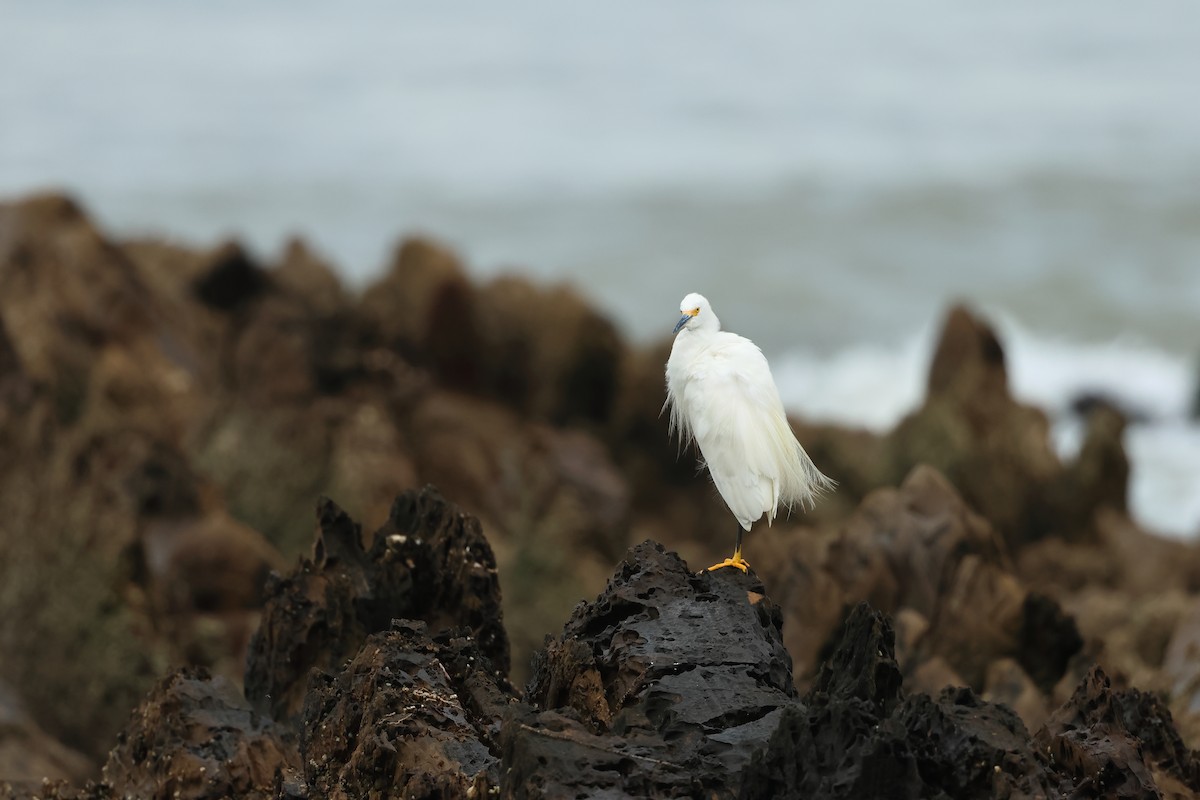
663,687
169,416
669,684
856,735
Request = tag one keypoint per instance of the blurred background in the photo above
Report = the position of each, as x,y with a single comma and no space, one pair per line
830,177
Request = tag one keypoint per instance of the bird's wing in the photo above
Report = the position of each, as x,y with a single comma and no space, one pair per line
735,414
732,376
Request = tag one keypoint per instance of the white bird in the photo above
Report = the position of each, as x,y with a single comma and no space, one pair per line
722,395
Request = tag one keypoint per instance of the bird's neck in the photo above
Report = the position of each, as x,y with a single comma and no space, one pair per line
696,339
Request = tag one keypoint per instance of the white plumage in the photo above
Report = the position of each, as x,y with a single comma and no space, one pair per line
721,394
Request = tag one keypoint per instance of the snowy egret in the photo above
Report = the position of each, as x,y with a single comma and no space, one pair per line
721,394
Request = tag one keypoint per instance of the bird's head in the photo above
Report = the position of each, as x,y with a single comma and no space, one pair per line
697,314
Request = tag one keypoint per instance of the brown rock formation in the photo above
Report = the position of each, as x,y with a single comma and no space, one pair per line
408,717
195,737
994,449
922,552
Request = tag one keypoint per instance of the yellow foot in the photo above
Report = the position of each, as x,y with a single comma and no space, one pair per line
736,562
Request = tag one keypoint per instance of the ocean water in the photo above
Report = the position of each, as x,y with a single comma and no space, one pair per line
832,176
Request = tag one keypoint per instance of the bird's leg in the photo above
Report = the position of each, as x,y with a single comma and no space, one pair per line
736,559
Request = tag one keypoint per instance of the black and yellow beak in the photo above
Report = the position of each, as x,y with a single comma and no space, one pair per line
687,316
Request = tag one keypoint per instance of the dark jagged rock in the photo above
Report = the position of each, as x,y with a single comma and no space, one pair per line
1118,744
858,684
856,736
855,671
669,684
664,686
409,717
452,569
429,561
556,505
965,747
195,738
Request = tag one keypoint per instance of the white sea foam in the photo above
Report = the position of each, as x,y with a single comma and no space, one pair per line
874,387
1052,372
869,386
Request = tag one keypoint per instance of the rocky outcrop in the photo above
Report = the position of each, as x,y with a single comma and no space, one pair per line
408,717
919,552
1118,744
669,684
428,562
67,291
663,687
195,737
856,735
995,450
544,353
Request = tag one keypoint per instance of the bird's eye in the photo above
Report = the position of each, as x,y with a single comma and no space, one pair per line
694,311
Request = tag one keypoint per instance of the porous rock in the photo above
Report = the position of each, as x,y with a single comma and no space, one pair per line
409,717
856,736
1108,743
194,737
664,686
550,499
428,562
